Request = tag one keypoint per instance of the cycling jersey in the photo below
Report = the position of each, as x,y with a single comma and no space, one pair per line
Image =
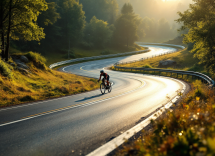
106,76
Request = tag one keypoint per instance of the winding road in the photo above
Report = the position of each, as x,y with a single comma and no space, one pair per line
79,124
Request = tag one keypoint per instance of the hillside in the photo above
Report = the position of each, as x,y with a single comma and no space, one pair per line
27,79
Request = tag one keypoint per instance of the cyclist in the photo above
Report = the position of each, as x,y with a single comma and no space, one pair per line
106,77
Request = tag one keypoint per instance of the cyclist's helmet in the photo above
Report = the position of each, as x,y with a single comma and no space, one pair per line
102,71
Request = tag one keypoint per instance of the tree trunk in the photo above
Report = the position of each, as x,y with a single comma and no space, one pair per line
2,45
2,30
8,34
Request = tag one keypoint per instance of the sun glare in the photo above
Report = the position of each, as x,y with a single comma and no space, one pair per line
168,0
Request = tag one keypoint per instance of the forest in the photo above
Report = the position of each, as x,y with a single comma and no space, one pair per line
57,26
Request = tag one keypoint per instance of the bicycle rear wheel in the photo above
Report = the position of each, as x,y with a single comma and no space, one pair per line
110,87
102,88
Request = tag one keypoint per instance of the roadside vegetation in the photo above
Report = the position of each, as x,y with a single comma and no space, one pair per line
38,82
188,129
184,61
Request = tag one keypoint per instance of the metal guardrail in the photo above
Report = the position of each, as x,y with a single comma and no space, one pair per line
94,57
156,55
161,44
203,77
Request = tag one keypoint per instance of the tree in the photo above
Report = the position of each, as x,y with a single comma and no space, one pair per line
71,23
126,26
164,29
199,19
50,16
47,20
98,32
19,21
106,10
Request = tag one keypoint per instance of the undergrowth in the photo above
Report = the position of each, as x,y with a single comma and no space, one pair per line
187,130
38,60
5,69
39,83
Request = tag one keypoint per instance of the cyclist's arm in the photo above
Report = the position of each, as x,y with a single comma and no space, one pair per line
100,77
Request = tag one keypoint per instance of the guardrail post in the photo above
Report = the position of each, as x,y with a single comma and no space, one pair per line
177,75
182,76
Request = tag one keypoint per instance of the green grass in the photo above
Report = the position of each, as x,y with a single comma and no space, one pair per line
6,69
39,83
184,60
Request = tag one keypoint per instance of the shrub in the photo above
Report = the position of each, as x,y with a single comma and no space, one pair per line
27,98
40,65
35,57
147,66
105,52
196,67
93,80
86,45
5,69
38,60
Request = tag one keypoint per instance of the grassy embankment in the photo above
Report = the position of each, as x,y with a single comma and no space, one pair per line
39,84
186,130
184,61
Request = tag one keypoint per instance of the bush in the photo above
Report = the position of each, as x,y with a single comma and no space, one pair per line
94,80
38,60
27,98
40,65
196,67
5,69
86,45
35,57
105,52
147,66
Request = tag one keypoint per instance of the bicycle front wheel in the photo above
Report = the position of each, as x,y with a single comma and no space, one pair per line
102,88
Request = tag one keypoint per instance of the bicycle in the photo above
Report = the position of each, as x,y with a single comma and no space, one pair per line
104,87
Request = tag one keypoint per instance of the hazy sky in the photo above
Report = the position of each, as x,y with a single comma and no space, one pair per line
158,8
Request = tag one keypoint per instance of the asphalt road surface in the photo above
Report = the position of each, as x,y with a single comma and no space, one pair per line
78,124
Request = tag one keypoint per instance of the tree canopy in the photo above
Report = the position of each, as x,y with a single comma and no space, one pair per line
71,23
199,19
98,32
19,20
126,26
106,10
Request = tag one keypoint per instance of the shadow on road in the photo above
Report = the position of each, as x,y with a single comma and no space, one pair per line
88,98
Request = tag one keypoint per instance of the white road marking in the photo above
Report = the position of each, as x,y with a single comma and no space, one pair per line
81,105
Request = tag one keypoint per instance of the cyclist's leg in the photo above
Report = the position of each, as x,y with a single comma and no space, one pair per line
108,77
103,80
